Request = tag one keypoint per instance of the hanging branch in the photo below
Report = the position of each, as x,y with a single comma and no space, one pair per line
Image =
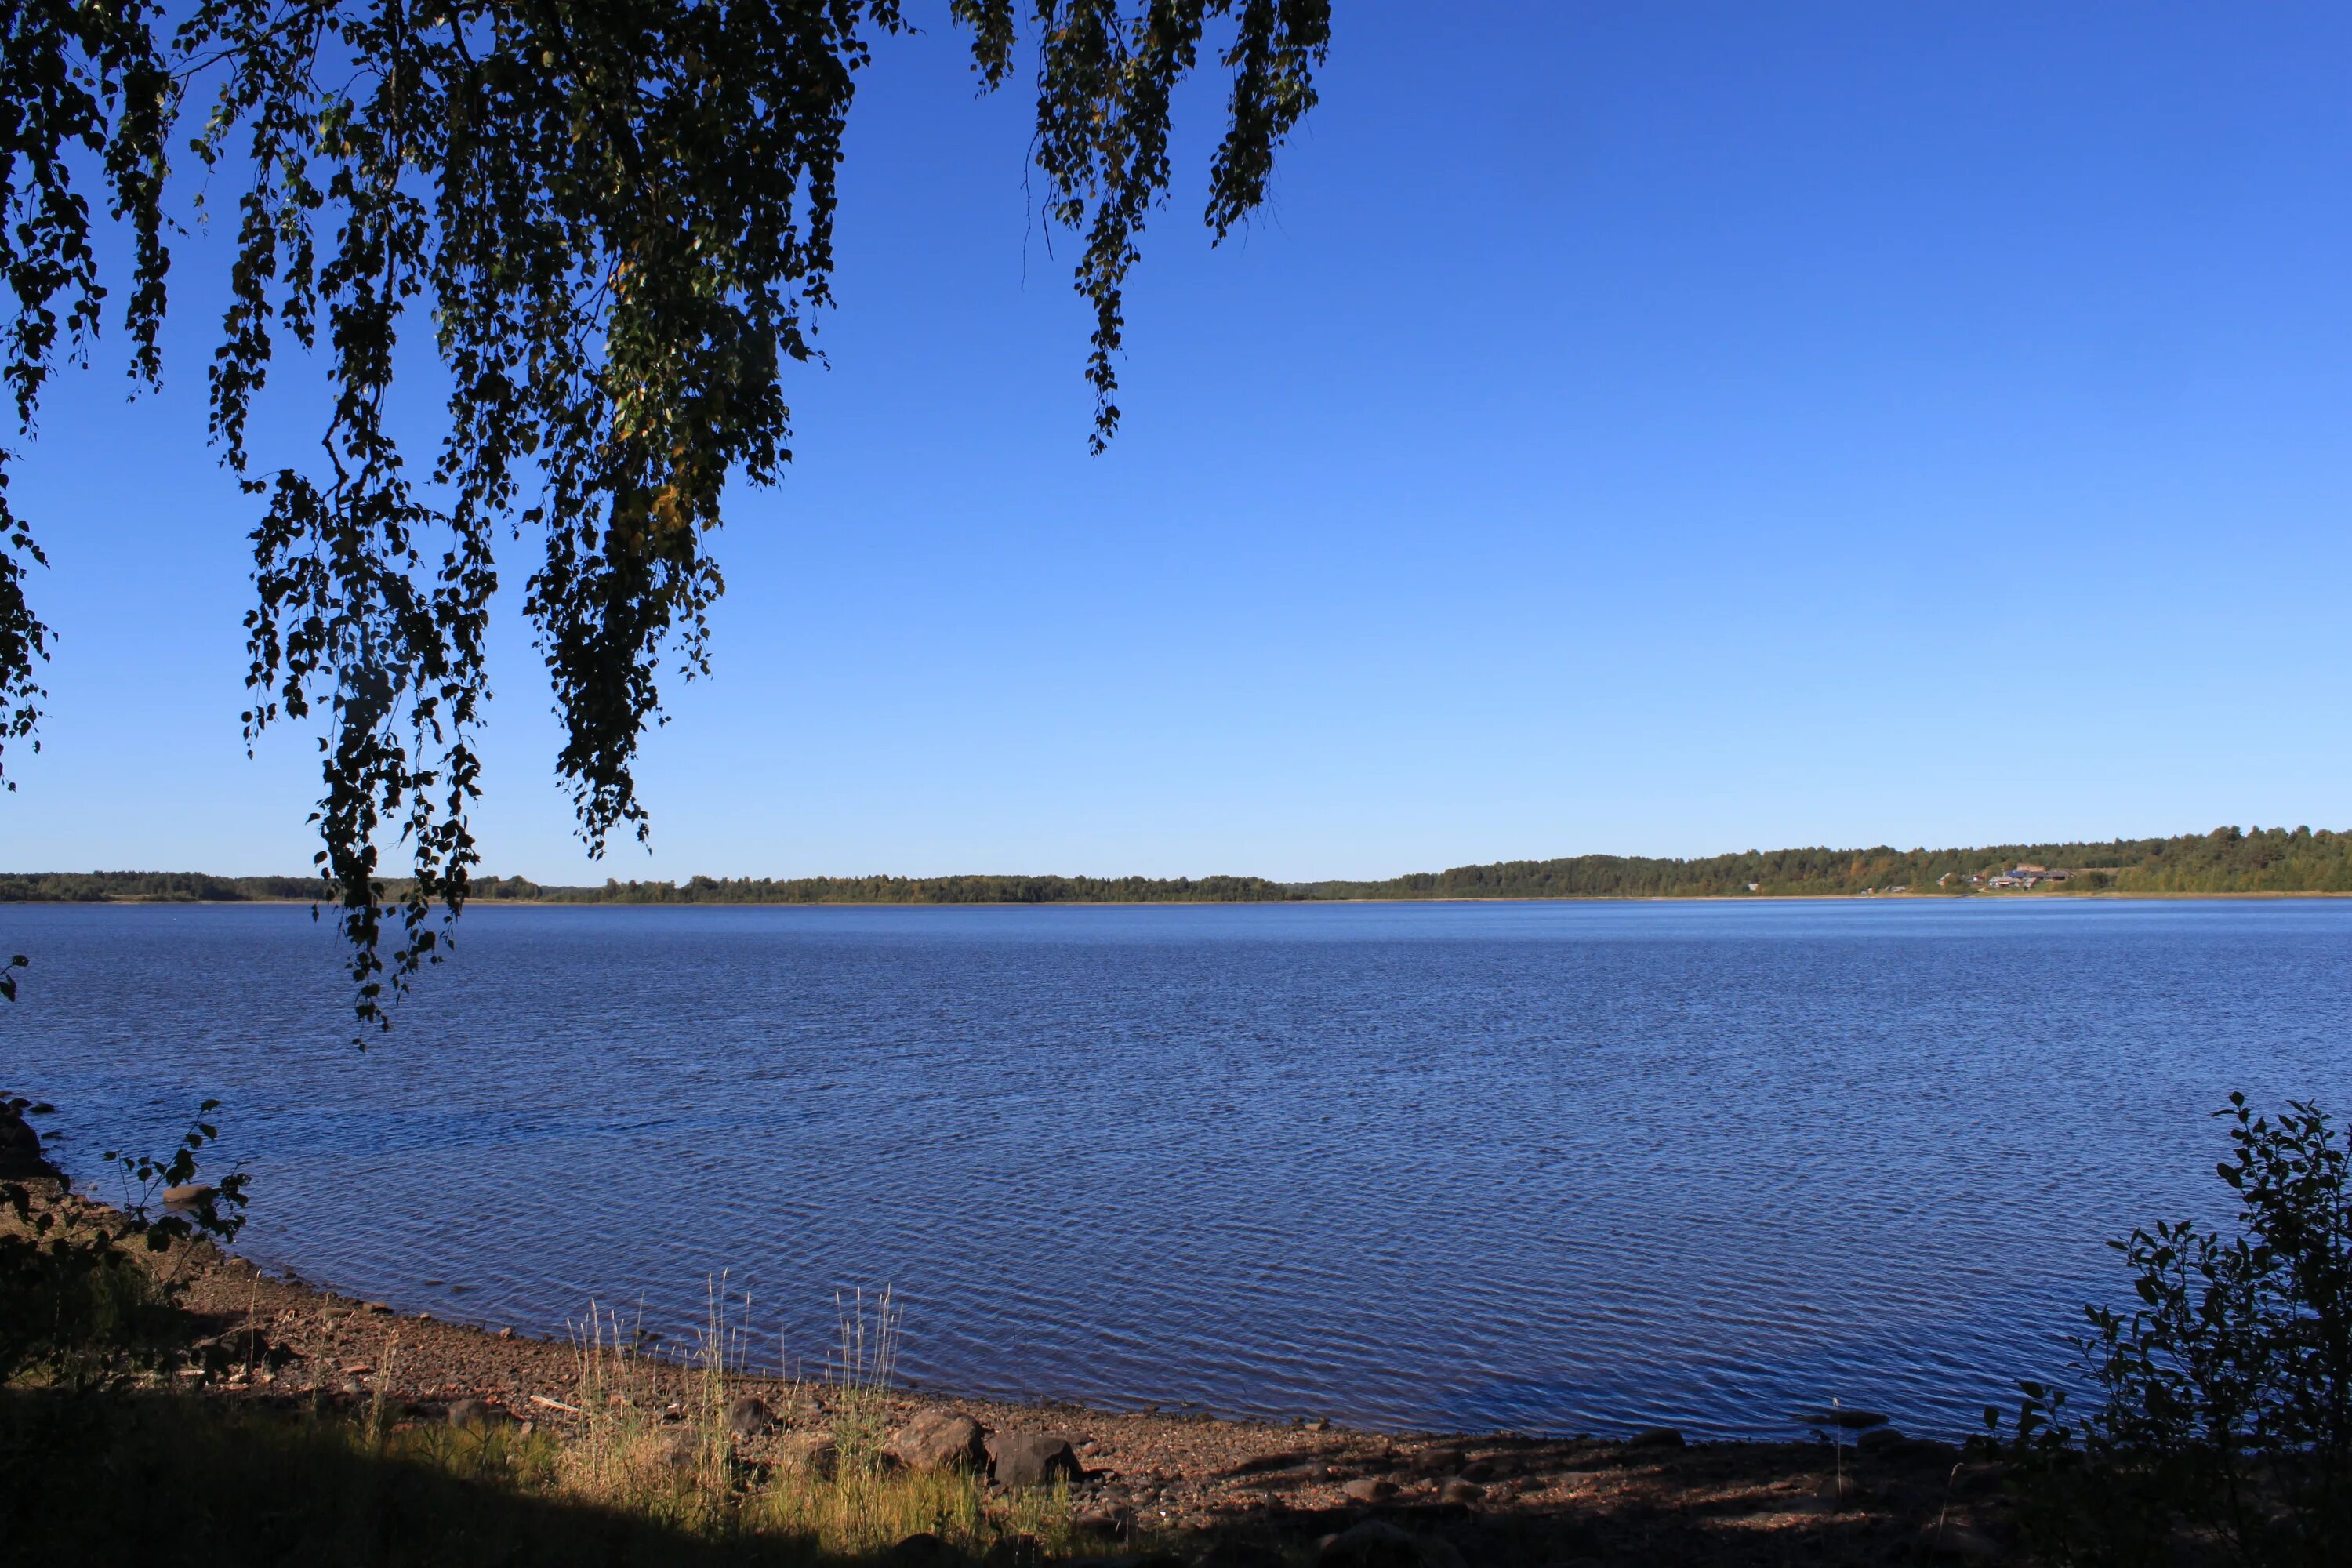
618,223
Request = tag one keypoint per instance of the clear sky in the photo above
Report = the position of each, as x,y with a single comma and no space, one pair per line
1663,429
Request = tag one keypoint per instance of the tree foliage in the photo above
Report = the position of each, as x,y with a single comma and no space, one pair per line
614,226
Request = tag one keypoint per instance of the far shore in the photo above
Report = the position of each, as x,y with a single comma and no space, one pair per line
2104,895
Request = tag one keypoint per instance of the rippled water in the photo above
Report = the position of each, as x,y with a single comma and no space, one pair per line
1558,1167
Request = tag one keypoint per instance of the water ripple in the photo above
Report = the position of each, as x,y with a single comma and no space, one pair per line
1541,1166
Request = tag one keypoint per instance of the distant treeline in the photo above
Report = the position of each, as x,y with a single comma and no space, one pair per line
187,887
903,890
159,887
2226,860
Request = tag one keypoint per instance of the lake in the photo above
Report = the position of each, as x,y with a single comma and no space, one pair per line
1556,1167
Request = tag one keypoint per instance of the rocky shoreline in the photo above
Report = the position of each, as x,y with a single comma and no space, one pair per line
1144,1477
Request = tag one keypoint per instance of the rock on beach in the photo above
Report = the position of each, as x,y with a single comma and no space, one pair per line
1376,1543
942,1440
20,1147
923,1551
471,1414
1033,1459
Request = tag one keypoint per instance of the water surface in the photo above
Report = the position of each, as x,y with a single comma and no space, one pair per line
1546,1167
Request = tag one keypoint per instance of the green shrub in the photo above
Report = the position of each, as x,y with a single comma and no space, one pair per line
78,1304
2225,1419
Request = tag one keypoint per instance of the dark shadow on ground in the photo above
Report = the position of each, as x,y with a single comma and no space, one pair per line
194,1481
187,1481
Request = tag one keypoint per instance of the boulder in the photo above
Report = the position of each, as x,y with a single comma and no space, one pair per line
472,1415
942,1440
1458,1491
189,1196
1108,1519
1370,1489
1973,1480
811,1454
1656,1437
678,1448
1031,1459
1887,1443
923,1550
1958,1543
1239,1554
246,1346
749,1417
20,1147
1371,1544
1438,1461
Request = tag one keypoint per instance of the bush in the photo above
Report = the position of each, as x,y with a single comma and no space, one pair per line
2226,1413
78,1304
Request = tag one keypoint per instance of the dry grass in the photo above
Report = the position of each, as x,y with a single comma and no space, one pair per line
649,1458
652,1444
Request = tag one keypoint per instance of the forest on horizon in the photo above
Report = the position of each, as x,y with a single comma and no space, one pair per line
2225,860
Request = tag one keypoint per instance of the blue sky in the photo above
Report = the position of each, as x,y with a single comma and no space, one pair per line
1653,429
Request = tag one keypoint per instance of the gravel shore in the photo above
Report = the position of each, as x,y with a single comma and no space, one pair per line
1501,1498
